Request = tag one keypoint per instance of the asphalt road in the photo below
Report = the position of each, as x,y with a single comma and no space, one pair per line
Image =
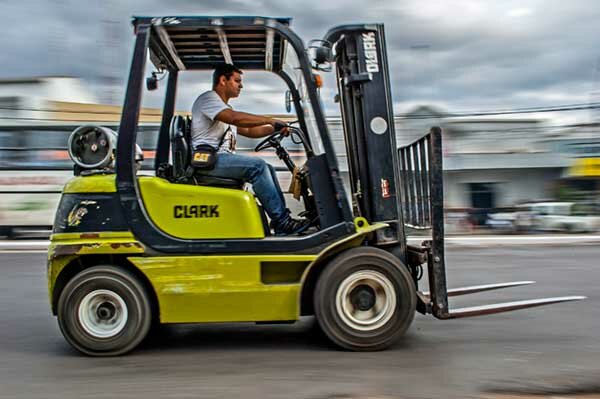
549,348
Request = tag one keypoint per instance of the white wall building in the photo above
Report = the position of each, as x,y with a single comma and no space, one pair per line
24,101
52,88
488,163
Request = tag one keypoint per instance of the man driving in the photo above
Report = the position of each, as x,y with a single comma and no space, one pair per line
212,121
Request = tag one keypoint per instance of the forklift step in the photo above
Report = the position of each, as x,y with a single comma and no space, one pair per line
506,307
481,288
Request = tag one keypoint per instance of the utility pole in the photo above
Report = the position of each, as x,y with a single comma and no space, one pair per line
110,44
425,48
594,115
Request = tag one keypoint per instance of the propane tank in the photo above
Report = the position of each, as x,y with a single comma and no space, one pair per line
93,148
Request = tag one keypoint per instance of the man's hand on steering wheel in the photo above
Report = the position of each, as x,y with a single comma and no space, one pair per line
281,126
280,131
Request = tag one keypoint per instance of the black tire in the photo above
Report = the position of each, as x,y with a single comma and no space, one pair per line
363,276
104,311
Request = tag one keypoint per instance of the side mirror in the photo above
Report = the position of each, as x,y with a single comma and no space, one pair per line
288,101
152,82
321,54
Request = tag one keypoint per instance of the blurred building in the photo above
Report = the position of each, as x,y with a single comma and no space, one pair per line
488,163
57,88
52,100
25,101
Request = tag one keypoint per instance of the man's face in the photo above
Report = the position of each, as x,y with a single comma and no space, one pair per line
233,85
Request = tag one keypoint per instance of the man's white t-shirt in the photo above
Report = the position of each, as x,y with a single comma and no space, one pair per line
206,129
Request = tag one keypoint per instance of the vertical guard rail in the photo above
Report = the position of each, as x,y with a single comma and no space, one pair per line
422,197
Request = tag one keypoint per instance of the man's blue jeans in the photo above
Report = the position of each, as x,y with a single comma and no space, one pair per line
260,174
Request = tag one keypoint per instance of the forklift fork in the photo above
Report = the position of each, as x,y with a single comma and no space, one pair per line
422,200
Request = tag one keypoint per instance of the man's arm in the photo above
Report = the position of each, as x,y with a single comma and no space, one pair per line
256,132
243,119
249,125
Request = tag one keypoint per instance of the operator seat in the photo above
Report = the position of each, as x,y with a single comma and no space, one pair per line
181,154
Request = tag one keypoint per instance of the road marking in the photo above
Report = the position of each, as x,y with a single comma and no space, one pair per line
38,245
515,240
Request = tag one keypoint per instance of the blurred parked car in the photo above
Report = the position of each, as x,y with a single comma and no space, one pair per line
564,216
502,221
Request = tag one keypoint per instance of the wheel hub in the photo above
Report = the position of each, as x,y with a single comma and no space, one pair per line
106,311
366,300
363,297
102,313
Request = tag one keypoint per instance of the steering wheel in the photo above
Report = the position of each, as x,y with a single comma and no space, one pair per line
271,141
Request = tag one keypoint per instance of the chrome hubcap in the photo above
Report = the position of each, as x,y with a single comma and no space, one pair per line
366,300
102,313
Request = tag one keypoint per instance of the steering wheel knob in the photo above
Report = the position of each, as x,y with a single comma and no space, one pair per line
278,126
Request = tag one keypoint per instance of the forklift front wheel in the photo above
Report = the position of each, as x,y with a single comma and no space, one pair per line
365,299
104,311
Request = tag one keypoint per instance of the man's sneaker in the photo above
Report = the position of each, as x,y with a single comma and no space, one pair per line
291,226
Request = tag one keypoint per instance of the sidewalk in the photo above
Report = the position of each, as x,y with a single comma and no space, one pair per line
455,241
515,240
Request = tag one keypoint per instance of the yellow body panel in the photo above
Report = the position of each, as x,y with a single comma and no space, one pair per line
216,288
66,247
196,212
93,244
195,289
184,210
91,184
55,267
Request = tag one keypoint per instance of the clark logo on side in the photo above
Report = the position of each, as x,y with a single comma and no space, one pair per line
195,211
370,47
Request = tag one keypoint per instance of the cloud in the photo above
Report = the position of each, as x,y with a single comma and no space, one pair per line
474,53
519,12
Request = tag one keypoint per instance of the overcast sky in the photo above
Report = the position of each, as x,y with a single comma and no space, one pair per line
460,55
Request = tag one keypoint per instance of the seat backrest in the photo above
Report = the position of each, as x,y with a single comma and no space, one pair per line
188,131
180,146
181,155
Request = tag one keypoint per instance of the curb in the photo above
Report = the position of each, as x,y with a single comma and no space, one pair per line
24,245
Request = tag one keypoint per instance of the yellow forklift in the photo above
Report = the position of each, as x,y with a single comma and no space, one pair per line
130,251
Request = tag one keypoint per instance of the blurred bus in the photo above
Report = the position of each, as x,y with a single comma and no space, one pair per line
35,165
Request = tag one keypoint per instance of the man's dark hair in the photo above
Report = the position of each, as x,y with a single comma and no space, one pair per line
226,70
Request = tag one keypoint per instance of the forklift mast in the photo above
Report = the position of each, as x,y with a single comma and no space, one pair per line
368,122
402,187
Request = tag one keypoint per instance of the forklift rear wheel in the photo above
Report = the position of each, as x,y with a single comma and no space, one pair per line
104,311
365,299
